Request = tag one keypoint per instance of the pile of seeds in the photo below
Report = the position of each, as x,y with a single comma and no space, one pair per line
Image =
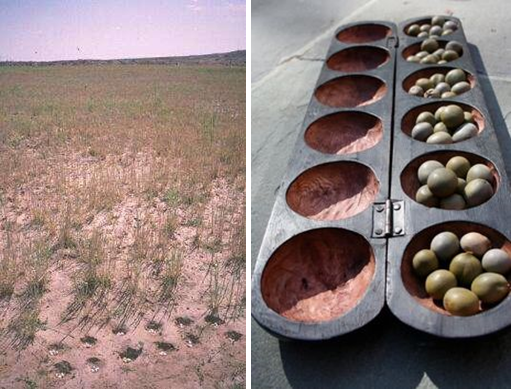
439,26
449,124
431,52
440,85
455,186
463,273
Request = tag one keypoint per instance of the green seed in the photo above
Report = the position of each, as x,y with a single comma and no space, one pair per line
459,165
460,87
426,198
439,282
424,262
466,268
427,117
454,76
491,288
426,168
461,302
452,116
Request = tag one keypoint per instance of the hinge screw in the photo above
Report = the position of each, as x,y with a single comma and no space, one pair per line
398,230
380,208
397,207
378,232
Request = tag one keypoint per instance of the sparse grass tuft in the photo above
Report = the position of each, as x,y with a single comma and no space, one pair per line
171,274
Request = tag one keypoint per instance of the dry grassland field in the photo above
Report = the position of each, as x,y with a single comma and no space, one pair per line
122,226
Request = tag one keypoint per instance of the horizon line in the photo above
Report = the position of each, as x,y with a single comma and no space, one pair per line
123,59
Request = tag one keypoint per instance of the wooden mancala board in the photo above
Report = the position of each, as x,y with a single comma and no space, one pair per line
345,225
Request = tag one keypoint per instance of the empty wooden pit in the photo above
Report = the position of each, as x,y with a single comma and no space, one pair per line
344,133
351,91
333,191
414,284
358,59
364,33
318,275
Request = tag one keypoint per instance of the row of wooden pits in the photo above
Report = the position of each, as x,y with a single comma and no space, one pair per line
321,274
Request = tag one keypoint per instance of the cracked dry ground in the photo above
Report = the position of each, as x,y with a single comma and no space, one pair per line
122,227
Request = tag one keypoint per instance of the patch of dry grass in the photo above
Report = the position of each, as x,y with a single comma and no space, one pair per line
122,191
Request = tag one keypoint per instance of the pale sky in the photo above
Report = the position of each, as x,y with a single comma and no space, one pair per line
48,30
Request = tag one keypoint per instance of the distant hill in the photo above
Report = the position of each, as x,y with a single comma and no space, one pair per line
232,58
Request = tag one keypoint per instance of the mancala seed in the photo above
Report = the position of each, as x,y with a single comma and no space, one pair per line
414,30
442,87
477,192
466,268
426,198
450,55
439,282
416,91
497,261
491,288
460,189
438,112
450,25
453,202
454,76
422,131
438,20
445,245
466,131
435,31
452,116
454,46
469,118
476,243
426,117
424,262
426,168
461,302
442,182
460,87
440,127
425,83
448,95
479,171
432,93
459,165
440,138
429,45
430,59
439,52
425,27
437,78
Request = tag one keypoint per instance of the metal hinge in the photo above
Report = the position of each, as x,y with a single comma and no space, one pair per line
388,219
